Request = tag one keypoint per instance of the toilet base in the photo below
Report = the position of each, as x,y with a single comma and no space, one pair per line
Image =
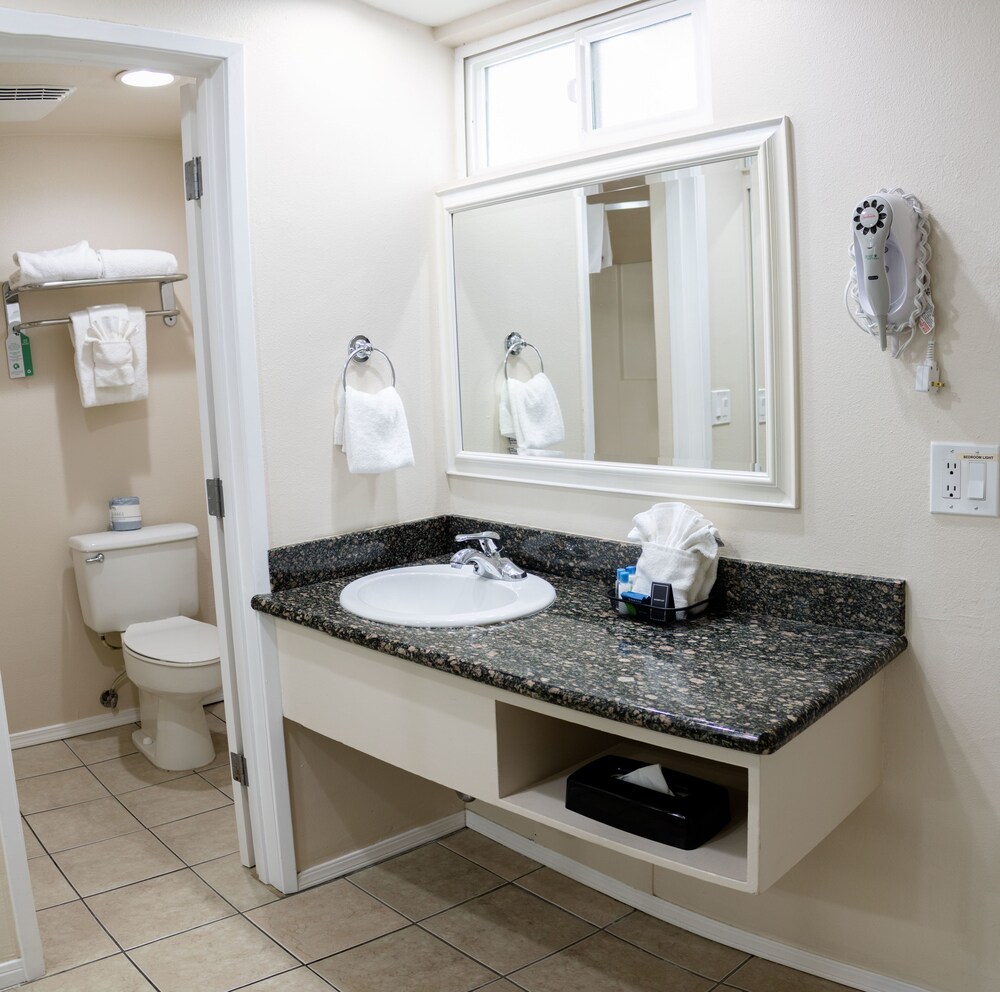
174,733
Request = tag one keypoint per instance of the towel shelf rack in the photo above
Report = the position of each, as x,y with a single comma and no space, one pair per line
12,309
18,350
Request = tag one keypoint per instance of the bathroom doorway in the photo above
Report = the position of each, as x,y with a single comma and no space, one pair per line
227,417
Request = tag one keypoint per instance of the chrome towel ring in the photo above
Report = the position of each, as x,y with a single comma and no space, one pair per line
360,350
515,344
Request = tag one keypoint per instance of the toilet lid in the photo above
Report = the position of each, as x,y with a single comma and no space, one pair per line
178,640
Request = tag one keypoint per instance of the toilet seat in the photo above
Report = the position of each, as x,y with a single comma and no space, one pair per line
175,641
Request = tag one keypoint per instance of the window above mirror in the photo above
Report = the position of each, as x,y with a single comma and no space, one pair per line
587,83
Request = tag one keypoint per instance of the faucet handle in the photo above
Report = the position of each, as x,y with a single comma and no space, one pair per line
485,539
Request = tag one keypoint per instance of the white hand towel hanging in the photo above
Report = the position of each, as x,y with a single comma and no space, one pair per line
679,546
535,413
109,353
373,431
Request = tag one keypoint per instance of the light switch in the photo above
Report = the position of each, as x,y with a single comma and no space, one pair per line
975,475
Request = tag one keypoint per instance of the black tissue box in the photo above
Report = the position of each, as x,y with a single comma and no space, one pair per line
696,812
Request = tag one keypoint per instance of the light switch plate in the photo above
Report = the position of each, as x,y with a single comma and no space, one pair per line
965,478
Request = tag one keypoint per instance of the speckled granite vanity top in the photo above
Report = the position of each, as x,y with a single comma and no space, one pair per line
780,647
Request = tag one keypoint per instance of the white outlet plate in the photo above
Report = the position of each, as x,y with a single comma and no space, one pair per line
965,478
722,406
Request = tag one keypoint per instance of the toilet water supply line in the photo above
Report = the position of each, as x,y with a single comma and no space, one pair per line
922,314
109,697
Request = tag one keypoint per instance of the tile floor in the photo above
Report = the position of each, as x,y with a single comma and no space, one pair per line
138,887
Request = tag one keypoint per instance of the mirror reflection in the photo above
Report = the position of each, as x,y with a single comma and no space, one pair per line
640,298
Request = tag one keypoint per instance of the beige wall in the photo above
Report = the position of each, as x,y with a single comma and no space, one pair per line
343,800
908,885
63,462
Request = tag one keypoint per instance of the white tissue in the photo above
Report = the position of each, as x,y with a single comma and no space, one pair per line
649,777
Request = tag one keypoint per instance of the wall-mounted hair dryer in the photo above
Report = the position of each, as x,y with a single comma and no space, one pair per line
872,225
888,294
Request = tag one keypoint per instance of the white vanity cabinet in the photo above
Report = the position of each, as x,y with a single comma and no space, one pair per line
515,752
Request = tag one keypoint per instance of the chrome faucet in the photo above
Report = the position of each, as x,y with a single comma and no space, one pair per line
486,560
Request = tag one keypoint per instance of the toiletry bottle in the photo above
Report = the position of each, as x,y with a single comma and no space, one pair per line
621,586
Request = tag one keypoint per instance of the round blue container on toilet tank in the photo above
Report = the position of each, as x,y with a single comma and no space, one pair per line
124,513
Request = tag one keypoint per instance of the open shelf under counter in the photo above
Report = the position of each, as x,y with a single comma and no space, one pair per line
515,752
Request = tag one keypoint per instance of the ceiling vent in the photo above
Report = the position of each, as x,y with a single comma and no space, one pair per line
31,103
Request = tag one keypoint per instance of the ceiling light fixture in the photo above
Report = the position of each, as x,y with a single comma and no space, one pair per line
144,77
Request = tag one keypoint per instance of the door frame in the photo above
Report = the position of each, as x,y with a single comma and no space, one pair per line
229,403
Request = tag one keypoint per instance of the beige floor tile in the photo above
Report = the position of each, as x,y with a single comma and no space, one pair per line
426,881
217,710
502,986
221,777
758,975
71,937
507,928
203,837
578,899
686,949
131,772
113,863
158,907
57,789
88,823
409,960
215,958
174,800
602,963
32,846
114,974
104,744
299,980
40,759
322,921
215,724
492,856
48,885
237,884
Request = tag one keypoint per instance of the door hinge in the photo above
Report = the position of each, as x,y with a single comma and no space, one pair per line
193,187
239,766
216,506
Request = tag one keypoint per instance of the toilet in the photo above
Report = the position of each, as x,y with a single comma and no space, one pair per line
144,584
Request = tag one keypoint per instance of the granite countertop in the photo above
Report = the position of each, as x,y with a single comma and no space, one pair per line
768,660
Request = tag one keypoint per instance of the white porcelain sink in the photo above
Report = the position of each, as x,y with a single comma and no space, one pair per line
442,596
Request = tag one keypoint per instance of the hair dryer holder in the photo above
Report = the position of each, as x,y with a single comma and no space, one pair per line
907,254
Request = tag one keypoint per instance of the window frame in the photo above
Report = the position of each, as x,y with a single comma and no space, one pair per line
583,28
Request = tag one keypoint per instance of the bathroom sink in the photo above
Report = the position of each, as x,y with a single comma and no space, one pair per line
442,596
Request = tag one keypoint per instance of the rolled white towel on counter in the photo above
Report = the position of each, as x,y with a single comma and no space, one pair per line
78,261
535,414
679,546
373,431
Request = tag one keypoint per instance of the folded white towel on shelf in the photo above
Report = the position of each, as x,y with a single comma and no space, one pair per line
536,418
78,261
109,352
679,546
373,431
127,263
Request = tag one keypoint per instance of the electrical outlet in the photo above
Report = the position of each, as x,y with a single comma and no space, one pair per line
965,478
722,400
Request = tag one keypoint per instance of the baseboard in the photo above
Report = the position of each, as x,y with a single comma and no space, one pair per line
12,973
60,731
704,926
387,848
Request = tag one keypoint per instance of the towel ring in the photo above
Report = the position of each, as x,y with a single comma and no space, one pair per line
515,345
360,350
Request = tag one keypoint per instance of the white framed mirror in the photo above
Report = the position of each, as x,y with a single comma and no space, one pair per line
653,286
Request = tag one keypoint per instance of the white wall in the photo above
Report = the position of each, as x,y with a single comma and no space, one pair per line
909,885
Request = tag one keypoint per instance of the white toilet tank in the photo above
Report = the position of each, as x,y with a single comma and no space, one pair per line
146,574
